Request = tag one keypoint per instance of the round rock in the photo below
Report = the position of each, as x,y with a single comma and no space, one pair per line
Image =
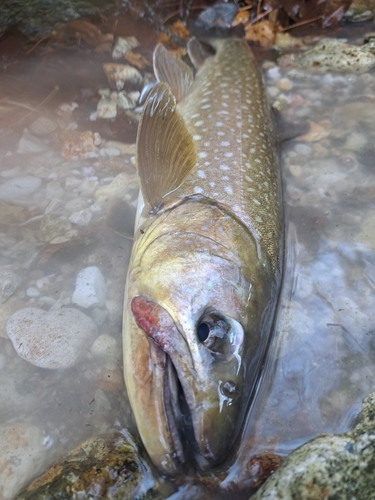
91,289
50,339
22,455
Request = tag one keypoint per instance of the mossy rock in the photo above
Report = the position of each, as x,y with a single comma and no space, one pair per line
37,18
106,466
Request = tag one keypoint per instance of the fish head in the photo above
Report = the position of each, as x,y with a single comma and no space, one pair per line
197,299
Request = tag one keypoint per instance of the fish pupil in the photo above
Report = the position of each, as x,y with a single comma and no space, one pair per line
203,331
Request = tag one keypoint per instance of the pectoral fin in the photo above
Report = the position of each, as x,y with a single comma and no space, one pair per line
198,52
165,148
175,72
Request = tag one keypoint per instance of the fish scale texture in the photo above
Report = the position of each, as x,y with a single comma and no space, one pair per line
232,131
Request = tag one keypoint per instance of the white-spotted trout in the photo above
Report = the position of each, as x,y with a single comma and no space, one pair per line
206,263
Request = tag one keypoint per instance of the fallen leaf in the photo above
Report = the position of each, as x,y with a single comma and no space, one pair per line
263,33
242,17
137,60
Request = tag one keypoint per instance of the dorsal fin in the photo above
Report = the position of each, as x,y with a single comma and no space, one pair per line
175,72
165,147
198,52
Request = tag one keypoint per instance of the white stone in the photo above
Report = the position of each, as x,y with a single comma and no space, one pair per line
21,456
32,292
30,144
54,190
106,108
122,75
19,187
53,340
123,45
9,281
91,289
81,218
104,346
43,126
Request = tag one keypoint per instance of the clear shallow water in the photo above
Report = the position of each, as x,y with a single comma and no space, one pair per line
320,362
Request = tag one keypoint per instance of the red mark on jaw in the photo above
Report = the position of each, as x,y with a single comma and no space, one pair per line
154,320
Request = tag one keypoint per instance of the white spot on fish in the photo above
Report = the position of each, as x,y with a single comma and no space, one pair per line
257,202
207,163
225,178
220,133
212,184
206,144
218,124
201,174
225,143
202,154
228,189
206,106
198,190
223,166
199,123
228,154
197,137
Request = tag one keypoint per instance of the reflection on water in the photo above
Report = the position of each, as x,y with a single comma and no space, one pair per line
60,216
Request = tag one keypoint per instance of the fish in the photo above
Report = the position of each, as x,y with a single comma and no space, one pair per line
206,265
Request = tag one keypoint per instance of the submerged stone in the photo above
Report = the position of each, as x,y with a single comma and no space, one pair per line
329,466
106,466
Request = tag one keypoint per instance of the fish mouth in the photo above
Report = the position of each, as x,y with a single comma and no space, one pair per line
162,332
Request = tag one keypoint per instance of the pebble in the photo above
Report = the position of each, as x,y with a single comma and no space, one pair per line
53,340
30,144
302,149
22,456
32,292
295,170
315,133
6,310
91,288
116,190
19,188
76,205
122,76
123,45
43,126
285,84
107,108
356,141
9,282
54,190
72,182
104,346
81,218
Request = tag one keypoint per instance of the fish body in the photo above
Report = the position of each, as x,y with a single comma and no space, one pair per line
206,263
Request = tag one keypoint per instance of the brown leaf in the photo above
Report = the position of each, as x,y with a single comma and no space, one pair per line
263,33
137,60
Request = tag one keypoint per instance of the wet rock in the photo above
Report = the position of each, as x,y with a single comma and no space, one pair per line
6,310
107,108
81,218
54,190
126,101
43,126
9,281
10,214
91,288
123,76
19,188
52,227
79,145
52,340
30,144
22,455
123,45
329,466
107,466
104,346
332,55
118,189
366,233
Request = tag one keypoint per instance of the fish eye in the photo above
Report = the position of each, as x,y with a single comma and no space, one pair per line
203,331
212,331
